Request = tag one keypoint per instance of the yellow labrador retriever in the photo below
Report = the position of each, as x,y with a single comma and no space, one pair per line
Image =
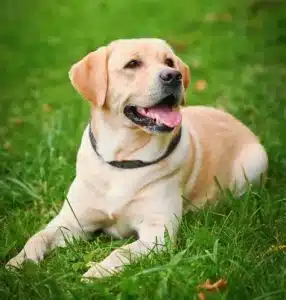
141,152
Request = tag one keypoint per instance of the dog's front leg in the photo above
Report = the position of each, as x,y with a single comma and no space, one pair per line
128,253
53,235
151,237
75,220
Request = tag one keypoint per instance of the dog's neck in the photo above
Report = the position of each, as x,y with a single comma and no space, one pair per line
116,141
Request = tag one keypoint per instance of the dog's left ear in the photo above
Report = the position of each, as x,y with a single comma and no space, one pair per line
185,71
89,76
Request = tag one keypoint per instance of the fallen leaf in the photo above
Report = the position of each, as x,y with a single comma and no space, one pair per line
201,85
207,285
17,121
47,107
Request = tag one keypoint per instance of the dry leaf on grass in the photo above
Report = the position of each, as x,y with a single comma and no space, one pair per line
213,286
17,121
201,85
207,285
47,107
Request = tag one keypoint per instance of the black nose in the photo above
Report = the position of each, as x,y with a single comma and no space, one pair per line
171,77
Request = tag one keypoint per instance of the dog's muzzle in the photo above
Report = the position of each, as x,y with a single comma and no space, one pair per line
170,78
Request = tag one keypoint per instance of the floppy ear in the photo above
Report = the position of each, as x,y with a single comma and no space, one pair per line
89,76
184,69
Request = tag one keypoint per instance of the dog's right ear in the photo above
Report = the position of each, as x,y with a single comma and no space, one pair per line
89,76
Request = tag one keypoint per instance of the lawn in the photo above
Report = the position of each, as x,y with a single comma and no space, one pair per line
236,48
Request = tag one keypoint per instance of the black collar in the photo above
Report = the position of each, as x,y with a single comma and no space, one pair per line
133,164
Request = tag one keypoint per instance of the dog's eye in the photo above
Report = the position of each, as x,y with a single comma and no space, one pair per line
132,64
169,62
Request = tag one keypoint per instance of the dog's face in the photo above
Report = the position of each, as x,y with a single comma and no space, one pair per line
141,80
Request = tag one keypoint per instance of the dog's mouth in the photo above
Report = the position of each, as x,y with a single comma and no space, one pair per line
162,117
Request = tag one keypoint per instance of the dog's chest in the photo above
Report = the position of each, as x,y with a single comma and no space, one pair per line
114,201
113,191
115,198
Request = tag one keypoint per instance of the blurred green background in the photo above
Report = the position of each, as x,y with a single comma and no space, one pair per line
237,56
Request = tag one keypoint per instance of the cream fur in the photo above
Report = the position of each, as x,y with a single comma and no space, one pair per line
145,200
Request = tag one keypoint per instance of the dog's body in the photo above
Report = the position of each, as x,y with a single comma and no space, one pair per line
213,146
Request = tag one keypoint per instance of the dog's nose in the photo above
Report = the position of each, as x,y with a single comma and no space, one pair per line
170,77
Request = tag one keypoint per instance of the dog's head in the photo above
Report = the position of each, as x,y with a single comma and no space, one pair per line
141,80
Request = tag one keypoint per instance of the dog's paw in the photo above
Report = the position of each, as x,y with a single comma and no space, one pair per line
98,270
15,262
32,254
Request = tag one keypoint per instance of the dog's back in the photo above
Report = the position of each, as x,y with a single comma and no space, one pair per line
219,141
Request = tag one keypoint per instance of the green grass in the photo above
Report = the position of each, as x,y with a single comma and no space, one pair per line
243,60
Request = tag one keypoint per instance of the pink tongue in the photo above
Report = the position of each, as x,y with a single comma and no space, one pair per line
163,114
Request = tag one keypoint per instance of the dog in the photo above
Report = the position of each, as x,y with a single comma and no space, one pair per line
143,153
